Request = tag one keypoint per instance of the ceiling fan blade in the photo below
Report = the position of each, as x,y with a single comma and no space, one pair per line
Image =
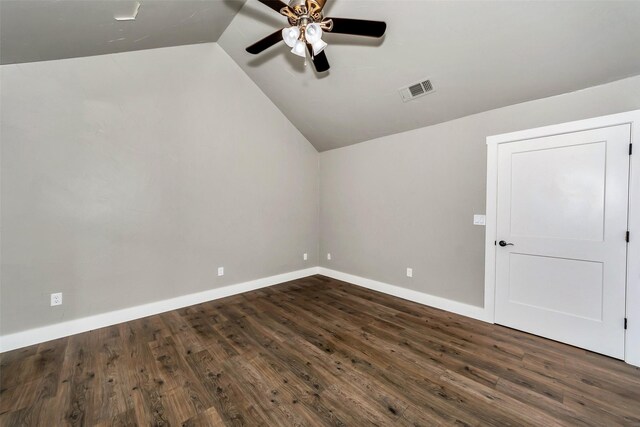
276,5
320,60
358,27
265,43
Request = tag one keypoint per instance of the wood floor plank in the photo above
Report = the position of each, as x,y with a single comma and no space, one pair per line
313,352
440,404
327,385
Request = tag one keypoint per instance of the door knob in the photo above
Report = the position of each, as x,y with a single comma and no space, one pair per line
503,243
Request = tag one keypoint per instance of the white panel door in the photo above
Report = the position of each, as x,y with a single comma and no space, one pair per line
561,229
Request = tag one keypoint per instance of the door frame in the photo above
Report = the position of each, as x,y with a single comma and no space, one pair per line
632,334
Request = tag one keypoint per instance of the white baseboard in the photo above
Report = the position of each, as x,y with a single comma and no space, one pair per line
463,309
71,327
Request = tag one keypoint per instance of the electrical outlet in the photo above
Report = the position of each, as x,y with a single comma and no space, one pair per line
56,299
329,256
220,271
305,256
409,272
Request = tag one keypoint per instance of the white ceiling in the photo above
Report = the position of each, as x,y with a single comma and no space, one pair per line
40,30
479,55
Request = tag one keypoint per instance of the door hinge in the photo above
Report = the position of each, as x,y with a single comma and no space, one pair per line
628,235
630,148
625,323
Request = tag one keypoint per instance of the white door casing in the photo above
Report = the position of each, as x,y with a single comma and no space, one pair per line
562,203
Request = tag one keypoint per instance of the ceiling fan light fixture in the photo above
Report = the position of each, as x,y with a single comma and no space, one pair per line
291,35
299,49
307,23
318,46
313,33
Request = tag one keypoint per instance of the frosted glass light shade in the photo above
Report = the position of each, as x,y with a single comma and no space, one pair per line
313,33
291,35
318,46
299,49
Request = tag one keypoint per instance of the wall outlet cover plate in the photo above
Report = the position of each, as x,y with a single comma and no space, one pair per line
56,299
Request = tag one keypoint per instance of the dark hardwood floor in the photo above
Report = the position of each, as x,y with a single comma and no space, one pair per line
314,351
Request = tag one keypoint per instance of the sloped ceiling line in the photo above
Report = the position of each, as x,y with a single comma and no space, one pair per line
478,55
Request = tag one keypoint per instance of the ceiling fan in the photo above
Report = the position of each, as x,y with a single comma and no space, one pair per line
307,26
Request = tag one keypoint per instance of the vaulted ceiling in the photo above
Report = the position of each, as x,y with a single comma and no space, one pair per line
479,55
41,30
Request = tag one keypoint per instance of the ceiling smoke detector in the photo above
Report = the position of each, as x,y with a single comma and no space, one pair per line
416,90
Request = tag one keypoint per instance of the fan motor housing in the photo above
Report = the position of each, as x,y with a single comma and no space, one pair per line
297,3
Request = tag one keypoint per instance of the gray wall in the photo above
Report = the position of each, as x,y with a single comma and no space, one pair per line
408,200
130,178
